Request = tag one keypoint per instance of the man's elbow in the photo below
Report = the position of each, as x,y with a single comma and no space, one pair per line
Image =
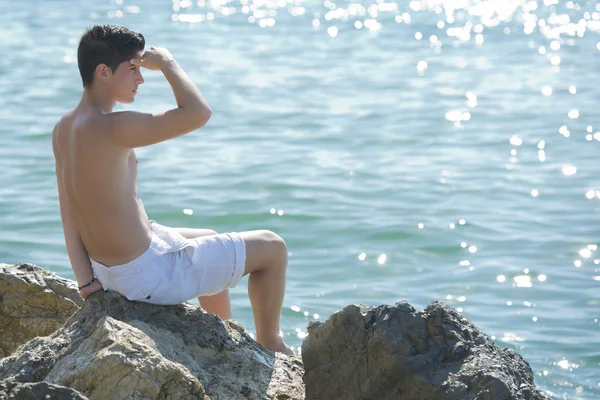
202,116
194,118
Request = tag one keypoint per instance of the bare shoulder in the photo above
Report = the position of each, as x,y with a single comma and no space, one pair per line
114,125
74,123
56,133
117,121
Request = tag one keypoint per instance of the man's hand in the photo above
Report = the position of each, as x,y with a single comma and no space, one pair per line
93,288
154,59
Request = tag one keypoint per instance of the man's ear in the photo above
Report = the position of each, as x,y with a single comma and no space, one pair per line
103,72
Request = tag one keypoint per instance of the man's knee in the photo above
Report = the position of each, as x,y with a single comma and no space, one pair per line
277,246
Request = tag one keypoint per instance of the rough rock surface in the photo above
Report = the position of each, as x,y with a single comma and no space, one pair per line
37,391
113,348
33,302
396,352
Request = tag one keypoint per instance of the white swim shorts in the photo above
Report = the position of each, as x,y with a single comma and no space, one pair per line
174,269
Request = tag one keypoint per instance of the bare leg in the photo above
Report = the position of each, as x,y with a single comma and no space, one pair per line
266,262
219,303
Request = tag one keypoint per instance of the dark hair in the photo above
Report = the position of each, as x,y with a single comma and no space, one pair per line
106,44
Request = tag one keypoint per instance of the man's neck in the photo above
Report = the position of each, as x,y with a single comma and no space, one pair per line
100,101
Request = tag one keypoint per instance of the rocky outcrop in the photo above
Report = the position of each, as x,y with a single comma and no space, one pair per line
113,348
33,302
38,390
396,352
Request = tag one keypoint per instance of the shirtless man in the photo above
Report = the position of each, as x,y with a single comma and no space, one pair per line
112,245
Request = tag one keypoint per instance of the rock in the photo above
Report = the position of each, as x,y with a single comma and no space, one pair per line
33,302
113,348
36,391
396,352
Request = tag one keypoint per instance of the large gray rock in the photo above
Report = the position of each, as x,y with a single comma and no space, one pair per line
37,391
396,352
33,302
113,348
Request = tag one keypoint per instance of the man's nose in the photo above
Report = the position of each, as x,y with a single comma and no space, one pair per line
140,79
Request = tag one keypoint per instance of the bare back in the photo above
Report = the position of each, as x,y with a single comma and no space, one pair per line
99,183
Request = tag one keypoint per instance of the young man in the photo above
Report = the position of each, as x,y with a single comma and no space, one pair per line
110,240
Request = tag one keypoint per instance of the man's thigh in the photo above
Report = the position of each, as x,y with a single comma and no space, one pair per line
263,249
191,233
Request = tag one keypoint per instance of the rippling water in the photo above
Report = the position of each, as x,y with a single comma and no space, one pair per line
413,150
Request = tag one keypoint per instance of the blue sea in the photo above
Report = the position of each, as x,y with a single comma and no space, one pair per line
411,150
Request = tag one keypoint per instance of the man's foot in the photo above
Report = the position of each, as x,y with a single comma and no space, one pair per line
278,345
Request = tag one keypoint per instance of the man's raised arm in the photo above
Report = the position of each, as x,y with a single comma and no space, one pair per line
133,129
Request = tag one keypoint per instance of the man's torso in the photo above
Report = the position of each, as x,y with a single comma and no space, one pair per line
100,183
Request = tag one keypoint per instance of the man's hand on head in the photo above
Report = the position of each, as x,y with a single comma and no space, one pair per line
154,59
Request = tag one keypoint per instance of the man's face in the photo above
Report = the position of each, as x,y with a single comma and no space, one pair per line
125,81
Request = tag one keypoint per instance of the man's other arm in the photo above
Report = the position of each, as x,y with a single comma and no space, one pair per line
78,255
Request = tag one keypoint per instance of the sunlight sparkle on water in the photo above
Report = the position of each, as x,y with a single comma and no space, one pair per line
585,253
457,116
569,170
472,99
564,364
542,155
516,141
522,281
512,337
547,91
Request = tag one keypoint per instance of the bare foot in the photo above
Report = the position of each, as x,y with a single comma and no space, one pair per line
278,345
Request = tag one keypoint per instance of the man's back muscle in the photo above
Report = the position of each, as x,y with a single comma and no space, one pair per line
100,185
